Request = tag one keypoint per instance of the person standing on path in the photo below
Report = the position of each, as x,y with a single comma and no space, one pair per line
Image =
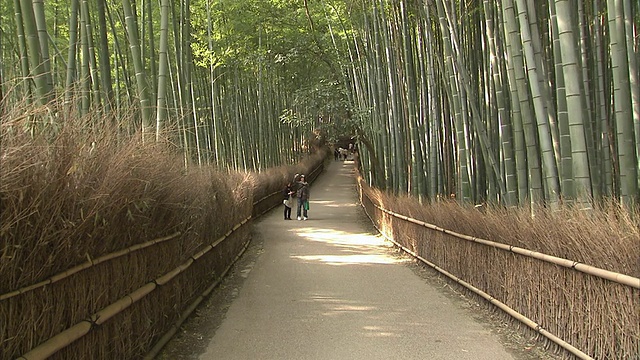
302,194
287,192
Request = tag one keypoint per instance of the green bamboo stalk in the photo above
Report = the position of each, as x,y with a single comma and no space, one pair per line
43,36
539,101
163,70
22,49
417,182
525,115
632,29
576,103
71,57
104,57
626,143
508,147
141,77
153,72
37,67
566,163
602,112
85,77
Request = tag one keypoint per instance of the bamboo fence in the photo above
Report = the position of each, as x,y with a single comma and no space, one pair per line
68,336
49,318
588,311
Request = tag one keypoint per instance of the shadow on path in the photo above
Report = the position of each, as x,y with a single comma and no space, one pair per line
331,288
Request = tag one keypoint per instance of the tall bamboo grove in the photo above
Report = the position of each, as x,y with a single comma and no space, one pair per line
518,102
521,103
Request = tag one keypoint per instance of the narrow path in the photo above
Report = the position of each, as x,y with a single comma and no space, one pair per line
329,288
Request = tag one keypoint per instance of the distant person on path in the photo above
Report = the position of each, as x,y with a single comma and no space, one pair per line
287,192
336,155
343,154
302,194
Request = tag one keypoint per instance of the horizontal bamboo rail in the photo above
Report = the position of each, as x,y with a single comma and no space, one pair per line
516,315
77,331
164,340
523,319
68,336
587,269
86,265
266,197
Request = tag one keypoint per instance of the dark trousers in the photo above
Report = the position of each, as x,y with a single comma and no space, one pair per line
287,212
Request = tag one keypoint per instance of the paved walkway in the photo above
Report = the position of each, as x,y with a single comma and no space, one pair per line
329,288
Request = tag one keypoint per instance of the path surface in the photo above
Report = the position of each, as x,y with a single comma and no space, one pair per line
329,288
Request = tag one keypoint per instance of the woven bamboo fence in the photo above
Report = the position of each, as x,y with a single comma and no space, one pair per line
106,241
117,305
128,303
588,311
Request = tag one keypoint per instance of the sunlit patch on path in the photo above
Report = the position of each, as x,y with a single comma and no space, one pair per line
338,237
348,259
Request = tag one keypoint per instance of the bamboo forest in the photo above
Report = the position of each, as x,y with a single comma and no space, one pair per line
492,146
509,101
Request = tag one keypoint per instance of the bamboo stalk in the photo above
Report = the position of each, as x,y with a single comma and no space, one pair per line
117,307
58,342
175,272
200,253
587,269
86,265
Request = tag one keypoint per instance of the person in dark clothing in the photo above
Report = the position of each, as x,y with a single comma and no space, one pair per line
302,194
287,192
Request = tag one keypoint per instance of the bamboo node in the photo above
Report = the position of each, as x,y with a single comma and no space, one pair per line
93,322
